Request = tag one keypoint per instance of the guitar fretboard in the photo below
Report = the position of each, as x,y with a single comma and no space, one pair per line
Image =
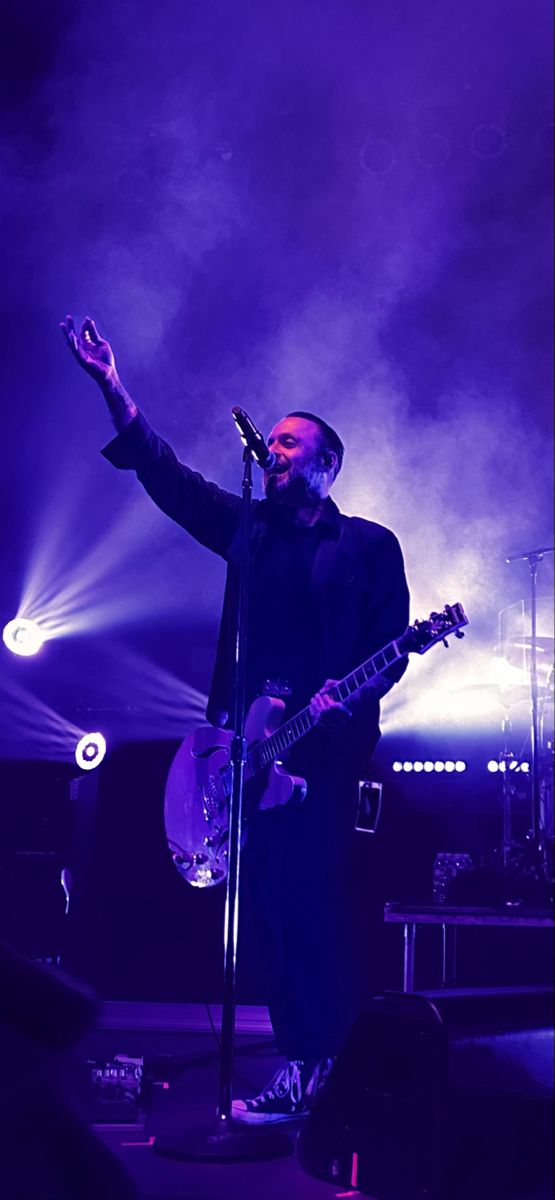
296,727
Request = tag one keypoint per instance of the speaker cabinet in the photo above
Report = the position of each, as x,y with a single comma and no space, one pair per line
439,1096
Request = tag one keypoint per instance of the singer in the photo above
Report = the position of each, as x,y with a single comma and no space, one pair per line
326,591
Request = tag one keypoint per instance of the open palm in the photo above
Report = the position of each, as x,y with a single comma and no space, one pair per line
93,353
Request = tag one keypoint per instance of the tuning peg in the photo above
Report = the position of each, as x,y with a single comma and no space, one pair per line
459,634
446,643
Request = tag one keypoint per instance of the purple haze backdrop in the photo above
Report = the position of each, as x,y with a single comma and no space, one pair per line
344,207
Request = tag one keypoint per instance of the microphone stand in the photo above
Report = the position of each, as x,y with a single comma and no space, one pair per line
223,1139
533,558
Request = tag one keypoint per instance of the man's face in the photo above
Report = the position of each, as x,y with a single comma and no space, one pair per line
300,474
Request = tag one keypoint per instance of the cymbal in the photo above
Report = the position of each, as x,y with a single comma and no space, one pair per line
518,653
505,697
543,644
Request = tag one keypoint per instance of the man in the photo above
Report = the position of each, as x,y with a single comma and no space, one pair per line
326,591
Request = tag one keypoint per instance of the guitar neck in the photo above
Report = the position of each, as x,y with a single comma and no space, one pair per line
296,727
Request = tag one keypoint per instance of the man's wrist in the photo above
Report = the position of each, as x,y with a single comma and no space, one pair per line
121,407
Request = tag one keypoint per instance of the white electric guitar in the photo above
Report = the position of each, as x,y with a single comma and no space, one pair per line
199,782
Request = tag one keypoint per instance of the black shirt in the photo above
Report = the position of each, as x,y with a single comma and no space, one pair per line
285,641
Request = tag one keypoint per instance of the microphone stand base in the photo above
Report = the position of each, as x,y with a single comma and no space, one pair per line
224,1141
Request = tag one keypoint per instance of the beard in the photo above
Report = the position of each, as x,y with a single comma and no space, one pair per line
295,487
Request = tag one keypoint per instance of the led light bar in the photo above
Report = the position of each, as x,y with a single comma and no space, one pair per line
448,765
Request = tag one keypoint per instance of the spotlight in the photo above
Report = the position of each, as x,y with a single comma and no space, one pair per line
439,766
493,766
90,751
397,766
22,636
407,766
460,765
428,766
418,767
449,766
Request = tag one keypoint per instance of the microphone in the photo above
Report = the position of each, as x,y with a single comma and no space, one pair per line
253,439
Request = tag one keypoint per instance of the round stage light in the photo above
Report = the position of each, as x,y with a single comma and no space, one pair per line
418,767
397,766
428,766
439,765
449,766
493,765
22,636
90,751
407,766
460,765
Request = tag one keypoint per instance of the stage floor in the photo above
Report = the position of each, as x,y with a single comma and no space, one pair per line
188,1061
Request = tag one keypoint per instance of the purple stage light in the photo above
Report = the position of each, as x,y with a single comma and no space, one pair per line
22,637
90,751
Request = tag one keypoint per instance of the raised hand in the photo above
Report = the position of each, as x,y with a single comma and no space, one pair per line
93,353
96,357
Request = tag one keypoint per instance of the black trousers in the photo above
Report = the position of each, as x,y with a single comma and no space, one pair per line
302,868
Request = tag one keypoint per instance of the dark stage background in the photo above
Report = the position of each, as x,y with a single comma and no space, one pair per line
337,207
136,931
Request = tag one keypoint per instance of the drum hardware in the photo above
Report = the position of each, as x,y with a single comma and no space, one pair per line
534,647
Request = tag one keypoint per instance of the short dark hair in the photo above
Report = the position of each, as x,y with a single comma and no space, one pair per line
329,438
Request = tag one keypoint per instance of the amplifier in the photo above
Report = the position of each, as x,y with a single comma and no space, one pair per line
439,1096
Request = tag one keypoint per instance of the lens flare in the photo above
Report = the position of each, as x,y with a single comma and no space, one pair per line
90,751
22,636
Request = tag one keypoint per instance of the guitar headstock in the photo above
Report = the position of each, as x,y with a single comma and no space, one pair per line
420,636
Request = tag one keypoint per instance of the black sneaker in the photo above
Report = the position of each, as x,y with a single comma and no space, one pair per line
288,1096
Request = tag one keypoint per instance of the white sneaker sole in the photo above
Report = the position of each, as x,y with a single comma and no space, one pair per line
262,1118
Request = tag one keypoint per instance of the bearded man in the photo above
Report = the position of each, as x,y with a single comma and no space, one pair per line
326,591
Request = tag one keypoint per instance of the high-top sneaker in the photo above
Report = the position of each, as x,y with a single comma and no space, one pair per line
288,1096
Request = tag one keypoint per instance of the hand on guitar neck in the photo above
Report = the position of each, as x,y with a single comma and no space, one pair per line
327,713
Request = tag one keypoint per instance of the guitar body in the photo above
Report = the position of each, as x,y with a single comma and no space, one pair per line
197,794
199,782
